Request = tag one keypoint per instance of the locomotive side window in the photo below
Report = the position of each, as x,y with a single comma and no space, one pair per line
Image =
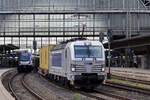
56,59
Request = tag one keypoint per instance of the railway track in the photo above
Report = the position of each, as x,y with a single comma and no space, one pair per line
104,95
24,86
95,94
113,95
11,88
91,95
131,79
128,87
30,89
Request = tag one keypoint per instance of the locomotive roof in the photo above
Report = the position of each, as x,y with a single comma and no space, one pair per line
63,44
73,39
58,47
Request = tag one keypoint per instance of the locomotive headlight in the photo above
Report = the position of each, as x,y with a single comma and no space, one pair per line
103,69
73,69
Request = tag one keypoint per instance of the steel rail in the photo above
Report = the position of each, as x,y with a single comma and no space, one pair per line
11,88
73,89
112,95
131,79
91,95
128,87
30,89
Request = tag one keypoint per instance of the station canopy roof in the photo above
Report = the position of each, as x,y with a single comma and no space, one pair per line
140,43
8,47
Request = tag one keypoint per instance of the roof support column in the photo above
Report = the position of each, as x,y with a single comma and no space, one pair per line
138,22
93,26
126,57
123,4
63,27
41,42
11,40
34,27
48,28
26,42
108,22
49,5
78,24
4,23
19,28
56,40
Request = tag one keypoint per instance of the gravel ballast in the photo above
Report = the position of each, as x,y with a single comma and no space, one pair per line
50,91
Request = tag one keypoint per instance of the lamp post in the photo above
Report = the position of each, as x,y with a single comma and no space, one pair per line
109,36
35,48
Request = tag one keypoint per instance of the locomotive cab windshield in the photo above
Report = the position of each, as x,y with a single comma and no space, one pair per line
88,51
85,50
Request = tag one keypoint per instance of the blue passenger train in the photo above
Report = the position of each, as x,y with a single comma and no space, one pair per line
25,62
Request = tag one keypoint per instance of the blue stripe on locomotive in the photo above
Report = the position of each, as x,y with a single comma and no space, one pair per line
56,59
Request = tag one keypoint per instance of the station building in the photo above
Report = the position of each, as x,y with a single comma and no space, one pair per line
53,21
